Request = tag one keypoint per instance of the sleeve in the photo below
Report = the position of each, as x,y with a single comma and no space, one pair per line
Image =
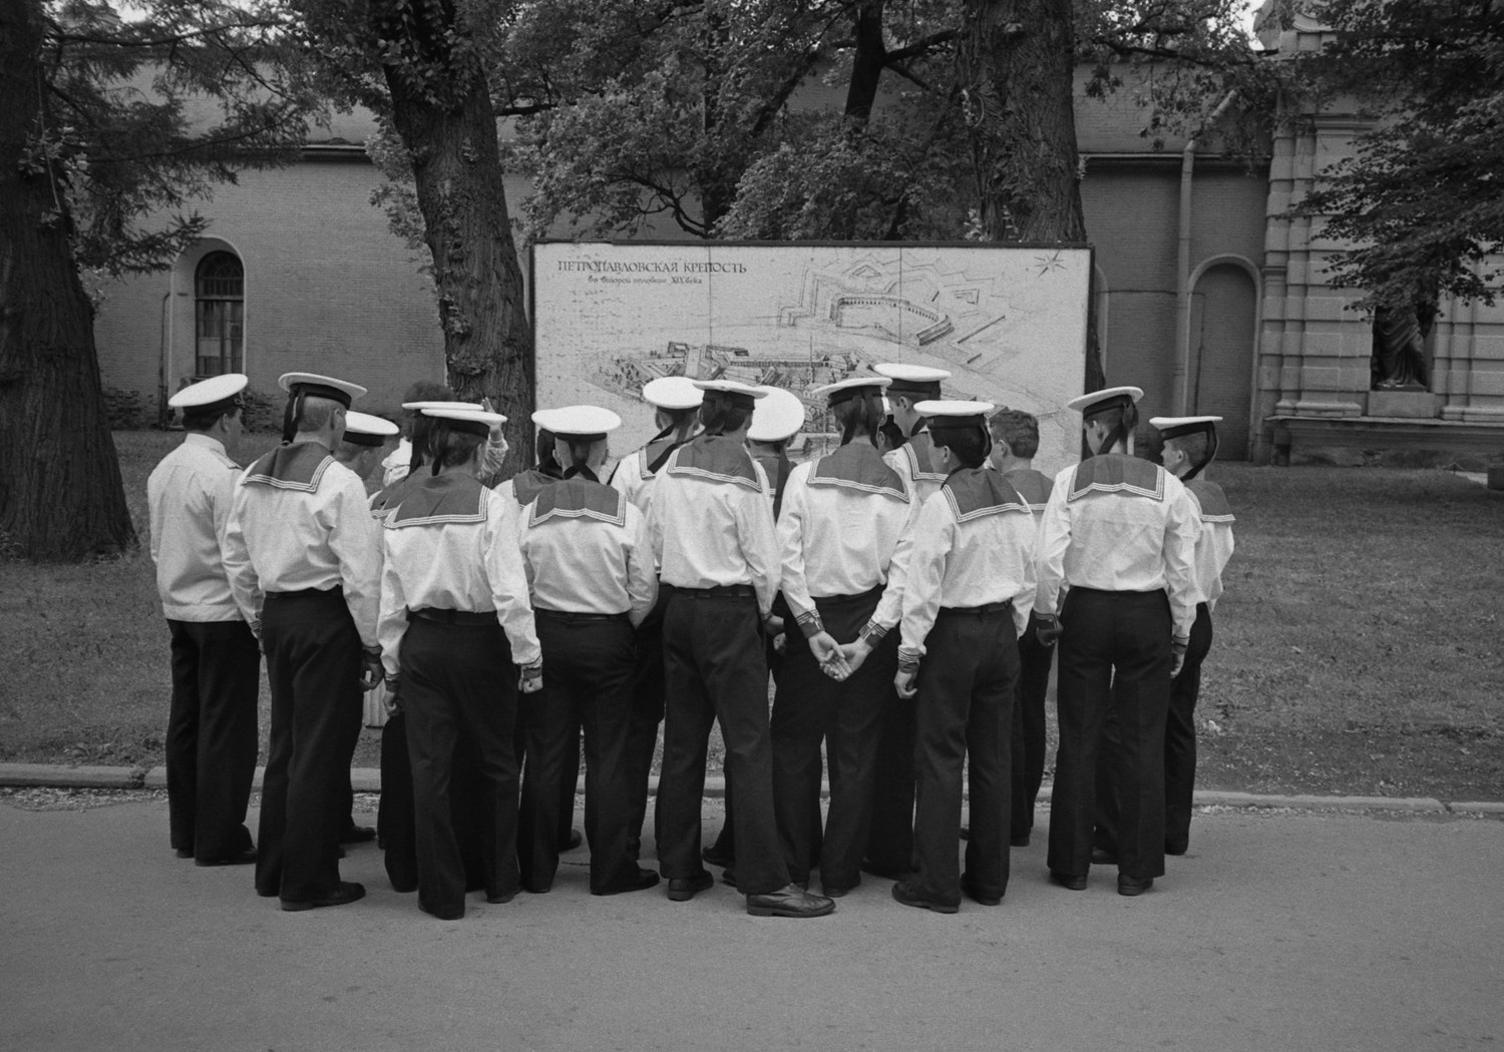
890,606
790,532
355,540
1054,538
1182,526
933,537
753,515
642,582
154,514
392,623
1023,602
244,584
220,498
508,580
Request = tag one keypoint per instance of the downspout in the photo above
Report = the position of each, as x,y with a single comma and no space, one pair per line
1179,377
163,415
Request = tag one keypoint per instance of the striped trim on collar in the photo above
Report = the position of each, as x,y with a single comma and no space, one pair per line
578,498
298,467
1117,473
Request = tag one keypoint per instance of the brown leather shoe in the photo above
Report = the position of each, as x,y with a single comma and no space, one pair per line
790,901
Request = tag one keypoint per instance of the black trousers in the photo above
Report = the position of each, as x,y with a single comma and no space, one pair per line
1114,659
810,708
890,843
725,839
964,712
1180,750
1034,661
313,668
589,663
211,736
715,670
645,716
458,681
396,819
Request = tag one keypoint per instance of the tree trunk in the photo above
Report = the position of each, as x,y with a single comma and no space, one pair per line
61,497
488,344
867,63
1015,64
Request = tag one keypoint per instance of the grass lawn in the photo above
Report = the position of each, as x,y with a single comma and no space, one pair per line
1358,648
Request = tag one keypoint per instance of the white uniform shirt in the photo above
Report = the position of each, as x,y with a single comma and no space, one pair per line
395,466
473,566
922,484
627,479
982,560
288,540
1214,547
839,541
188,496
709,534
584,565
1120,544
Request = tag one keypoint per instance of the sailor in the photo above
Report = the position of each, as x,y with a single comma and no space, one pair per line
776,419
397,464
841,520
590,570
676,414
301,536
360,450
457,643
967,592
1015,440
1189,443
216,663
890,846
712,533
1120,533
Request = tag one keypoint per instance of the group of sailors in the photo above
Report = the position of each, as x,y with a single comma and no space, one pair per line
907,591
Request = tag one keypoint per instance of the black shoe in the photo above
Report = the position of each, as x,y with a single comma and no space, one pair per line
347,892
790,901
728,877
1176,849
645,879
503,898
1131,886
975,894
454,913
838,891
1019,840
571,842
354,834
1066,880
183,853
240,858
1103,856
682,889
716,855
907,894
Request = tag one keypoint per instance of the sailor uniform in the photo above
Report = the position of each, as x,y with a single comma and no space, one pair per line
455,625
712,532
841,520
216,663
1034,661
1120,533
590,571
301,535
967,593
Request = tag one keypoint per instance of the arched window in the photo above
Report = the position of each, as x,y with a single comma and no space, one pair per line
219,290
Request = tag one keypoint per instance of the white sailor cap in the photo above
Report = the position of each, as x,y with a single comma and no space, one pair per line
578,421
366,430
206,395
418,407
672,392
473,421
733,391
920,380
845,390
1094,402
778,416
954,413
341,391
1176,426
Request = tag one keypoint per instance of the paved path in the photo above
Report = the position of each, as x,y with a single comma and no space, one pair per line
1281,931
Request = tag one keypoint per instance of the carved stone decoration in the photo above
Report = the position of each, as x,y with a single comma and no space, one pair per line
1399,350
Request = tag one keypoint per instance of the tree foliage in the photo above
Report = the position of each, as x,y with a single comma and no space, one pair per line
1422,196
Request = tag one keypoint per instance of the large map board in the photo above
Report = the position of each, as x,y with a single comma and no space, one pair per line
1008,322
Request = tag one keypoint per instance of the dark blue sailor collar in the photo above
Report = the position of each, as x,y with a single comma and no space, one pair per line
579,497
1118,473
974,493
715,458
299,466
438,499
858,466
1213,502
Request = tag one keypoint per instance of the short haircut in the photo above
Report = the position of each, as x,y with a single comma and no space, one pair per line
1149,444
1197,446
970,445
316,412
197,419
1017,428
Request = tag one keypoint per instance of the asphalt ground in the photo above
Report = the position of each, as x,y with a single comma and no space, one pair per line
1282,929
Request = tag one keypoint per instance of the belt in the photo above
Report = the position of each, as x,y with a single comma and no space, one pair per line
725,591
862,597
307,593
441,616
568,616
1006,606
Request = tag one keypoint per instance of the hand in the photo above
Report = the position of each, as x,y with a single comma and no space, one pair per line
390,700
855,653
905,682
781,643
1178,646
773,625
828,653
1048,631
370,668
531,679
